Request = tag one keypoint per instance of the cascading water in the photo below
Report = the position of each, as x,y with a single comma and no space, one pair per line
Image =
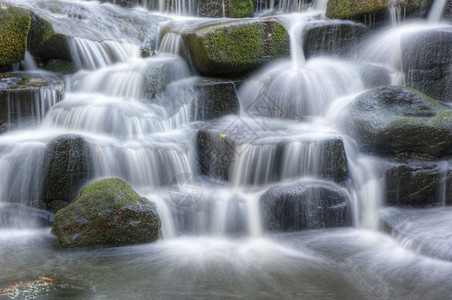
141,120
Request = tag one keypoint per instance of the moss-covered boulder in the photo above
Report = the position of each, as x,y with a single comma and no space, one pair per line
427,60
236,47
400,121
226,8
415,183
67,167
14,27
25,98
107,213
305,205
371,12
45,42
338,38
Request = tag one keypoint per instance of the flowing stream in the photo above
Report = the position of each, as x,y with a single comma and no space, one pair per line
136,114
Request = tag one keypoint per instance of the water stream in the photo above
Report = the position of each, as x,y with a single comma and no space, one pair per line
136,114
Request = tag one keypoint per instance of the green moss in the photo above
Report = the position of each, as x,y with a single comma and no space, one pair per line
241,8
14,27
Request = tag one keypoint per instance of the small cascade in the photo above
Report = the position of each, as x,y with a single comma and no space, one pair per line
443,181
28,64
437,10
301,159
172,43
88,54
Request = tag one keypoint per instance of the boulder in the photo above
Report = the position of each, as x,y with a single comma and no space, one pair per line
240,150
399,121
216,98
305,205
107,213
26,97
371,12
236,47
336,38
374,75
67,167
417,183
226,8
427,61
45,42
14,27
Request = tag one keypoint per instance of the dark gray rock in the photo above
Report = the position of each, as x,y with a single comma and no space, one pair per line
217,98
427,62
400,121
418,183
305,205
336,38
107,213
374,75
67,167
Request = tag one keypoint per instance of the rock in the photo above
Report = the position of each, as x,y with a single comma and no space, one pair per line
374,75
217,98
46,42
239,150
26,97
337,38
15,215
226,8
14,27
236,47
400,121
67,167
107,213
371,12
305,205
60,66
425,231
427,60
418,183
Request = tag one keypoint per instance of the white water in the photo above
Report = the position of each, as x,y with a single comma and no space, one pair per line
135,113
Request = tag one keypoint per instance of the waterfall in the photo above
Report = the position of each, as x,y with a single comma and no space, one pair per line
436,11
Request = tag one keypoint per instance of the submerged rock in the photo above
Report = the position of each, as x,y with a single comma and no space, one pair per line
15,215
400,121
226,8
418,183
67,167
338,38
236,47
425,231
14,27
305,205
427,60
107,213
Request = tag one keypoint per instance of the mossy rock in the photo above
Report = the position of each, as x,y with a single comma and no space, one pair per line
305,205
400,121
14,27
372,12
107,213
67,167
236,47
45,42
226,8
